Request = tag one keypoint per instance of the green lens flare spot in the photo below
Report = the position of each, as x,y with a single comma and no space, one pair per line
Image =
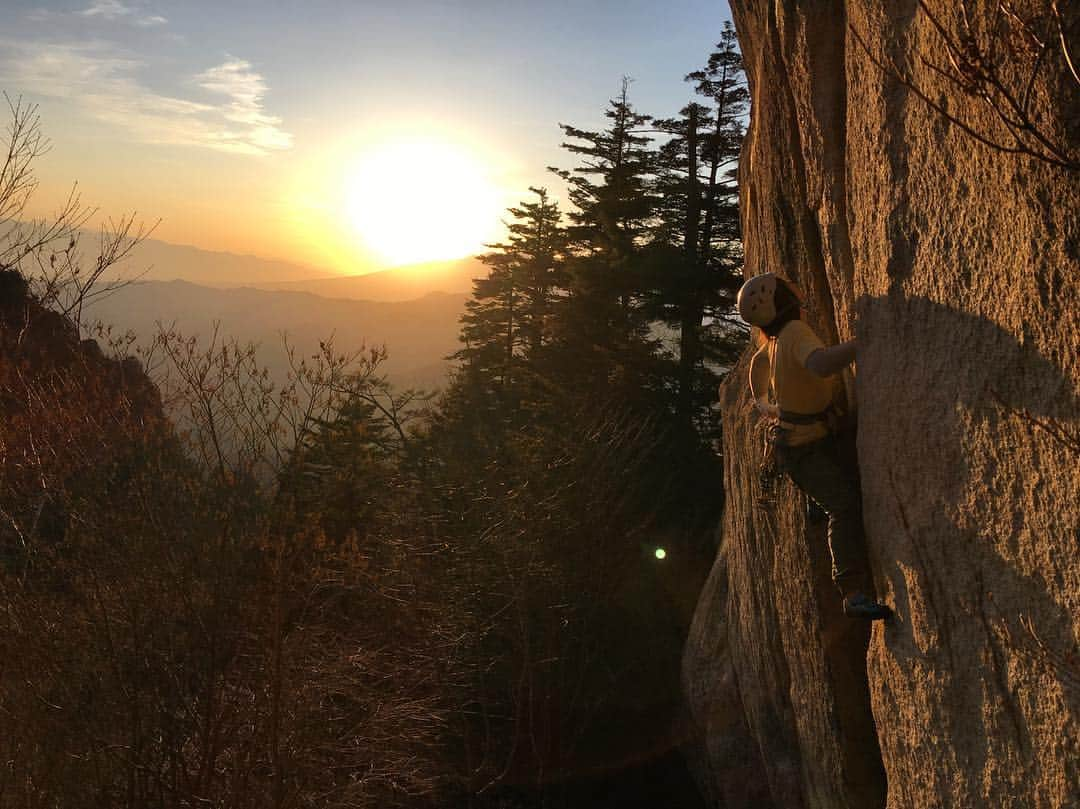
660,553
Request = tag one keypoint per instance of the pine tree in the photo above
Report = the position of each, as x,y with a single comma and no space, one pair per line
507,318
696,255
610,189
601,321
723,82
679,279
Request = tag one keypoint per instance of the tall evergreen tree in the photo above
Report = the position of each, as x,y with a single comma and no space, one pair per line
601,320
507,318
696,249
723,82
679,279
610,189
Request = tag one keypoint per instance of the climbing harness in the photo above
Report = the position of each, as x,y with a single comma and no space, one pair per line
775,435
805,418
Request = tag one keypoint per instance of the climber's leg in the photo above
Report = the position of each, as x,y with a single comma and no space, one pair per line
816,468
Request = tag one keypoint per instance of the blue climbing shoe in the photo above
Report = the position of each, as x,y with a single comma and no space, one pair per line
862,606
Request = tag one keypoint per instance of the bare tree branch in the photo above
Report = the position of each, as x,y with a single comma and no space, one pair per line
1001,64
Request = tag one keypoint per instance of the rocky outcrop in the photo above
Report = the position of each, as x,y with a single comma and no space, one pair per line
957,265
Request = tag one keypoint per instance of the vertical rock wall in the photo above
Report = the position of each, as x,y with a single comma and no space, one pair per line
958,268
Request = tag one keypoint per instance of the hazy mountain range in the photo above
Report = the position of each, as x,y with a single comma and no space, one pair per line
155,260
419,334
396,284
414,311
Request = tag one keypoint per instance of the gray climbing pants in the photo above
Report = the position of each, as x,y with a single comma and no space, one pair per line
819,471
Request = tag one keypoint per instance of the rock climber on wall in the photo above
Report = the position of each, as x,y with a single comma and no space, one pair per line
794,366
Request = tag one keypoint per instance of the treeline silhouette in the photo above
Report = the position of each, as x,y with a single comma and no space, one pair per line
334,593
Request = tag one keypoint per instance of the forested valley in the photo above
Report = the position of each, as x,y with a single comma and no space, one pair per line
217,590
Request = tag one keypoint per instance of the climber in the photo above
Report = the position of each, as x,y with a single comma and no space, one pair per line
794,365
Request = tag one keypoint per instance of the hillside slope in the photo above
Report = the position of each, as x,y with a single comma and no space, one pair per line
70,415
958,268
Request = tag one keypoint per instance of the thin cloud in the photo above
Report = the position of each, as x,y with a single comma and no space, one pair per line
115,10
102,83
237,80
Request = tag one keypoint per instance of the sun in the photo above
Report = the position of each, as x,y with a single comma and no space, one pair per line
420,199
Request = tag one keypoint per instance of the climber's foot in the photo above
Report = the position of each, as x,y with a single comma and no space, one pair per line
859,605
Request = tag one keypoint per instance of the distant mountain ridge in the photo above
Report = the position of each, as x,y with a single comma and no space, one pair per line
159,261
156,260
419,334
395,284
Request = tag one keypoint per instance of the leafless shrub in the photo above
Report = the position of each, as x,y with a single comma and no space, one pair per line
48,252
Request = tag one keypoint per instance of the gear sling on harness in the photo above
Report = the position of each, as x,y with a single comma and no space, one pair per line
775,436
827,417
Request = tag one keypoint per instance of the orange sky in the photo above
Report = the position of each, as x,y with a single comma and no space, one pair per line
251,127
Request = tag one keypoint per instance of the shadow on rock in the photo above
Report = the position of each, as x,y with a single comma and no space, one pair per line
968,446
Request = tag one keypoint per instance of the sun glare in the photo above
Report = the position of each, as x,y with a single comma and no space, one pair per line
415,200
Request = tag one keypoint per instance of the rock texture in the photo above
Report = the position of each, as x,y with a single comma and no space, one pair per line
957,265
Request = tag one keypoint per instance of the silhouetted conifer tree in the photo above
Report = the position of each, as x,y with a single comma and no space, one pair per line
601,321
506,319
696,254
723,81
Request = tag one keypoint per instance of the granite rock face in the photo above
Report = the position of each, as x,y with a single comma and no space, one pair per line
957,265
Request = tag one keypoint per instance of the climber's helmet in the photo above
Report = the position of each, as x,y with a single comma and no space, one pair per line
768,298
757,299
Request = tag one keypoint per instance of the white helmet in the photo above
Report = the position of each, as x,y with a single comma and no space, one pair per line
757,299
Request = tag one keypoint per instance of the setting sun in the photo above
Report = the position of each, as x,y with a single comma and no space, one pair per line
418,199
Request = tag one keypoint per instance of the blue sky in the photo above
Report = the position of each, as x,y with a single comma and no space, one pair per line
211,115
